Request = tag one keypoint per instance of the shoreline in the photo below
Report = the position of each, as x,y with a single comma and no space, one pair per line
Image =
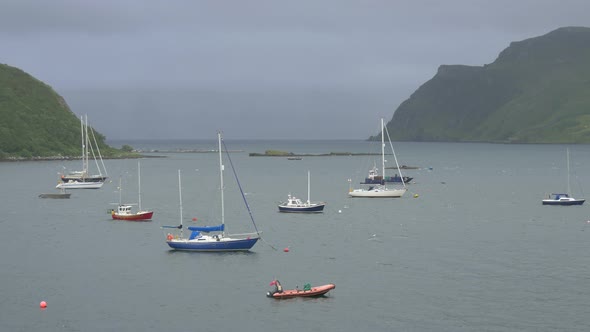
54,158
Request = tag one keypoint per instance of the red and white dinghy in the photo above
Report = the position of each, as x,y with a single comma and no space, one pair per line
124,213
305,292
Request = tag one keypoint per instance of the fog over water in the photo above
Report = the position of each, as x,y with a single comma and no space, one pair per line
258,69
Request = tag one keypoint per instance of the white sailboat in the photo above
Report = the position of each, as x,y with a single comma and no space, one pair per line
82,179
564,199
381,190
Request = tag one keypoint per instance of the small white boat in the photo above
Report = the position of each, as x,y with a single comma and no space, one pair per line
564,199
79,185
378,192
294,204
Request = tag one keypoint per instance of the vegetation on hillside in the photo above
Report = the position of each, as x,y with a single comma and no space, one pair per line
537,91
36,122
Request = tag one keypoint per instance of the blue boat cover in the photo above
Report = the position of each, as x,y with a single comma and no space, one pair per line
207,229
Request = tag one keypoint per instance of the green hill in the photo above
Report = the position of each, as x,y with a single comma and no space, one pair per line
537,91
36,122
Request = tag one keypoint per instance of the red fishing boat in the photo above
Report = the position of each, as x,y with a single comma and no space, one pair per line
307,291
124,212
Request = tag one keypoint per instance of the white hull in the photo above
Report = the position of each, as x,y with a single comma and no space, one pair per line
380,191
377,193
79,185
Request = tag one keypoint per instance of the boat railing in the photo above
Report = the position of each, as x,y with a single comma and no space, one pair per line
244,235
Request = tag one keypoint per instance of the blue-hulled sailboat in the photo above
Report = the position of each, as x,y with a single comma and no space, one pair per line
213,238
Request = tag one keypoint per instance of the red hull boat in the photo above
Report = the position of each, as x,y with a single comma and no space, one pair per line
124,210
311,292
139,216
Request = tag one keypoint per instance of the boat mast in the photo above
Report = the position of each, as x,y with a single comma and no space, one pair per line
83,145
139,185
120,194
568,170
86,141
221,180
308,190
180,199
382,152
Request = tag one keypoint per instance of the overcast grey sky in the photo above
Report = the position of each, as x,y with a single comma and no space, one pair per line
258,69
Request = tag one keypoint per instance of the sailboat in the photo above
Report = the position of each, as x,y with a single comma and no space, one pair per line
564,199
294,204
213,238
124,211
381,190
82,179
375,178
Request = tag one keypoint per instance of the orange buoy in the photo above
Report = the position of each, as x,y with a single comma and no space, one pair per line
286,249
194,219
43,304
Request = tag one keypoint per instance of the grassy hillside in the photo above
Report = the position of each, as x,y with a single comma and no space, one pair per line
35,121
537,91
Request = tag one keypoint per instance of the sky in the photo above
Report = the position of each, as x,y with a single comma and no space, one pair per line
255,69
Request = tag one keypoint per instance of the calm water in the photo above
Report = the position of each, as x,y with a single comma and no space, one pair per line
476,251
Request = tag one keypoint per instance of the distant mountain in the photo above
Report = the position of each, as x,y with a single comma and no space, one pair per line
35,121
537,91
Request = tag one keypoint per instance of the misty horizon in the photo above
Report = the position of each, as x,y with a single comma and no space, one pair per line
258,69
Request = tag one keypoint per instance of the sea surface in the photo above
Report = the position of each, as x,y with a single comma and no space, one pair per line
468,248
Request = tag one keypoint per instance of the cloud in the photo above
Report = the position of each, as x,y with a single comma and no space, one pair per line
368,50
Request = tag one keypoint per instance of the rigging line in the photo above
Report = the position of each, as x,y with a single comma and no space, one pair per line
270,245
240,186
394,156
99,154
244,196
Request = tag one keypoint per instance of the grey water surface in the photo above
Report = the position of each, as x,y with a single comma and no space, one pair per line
468,248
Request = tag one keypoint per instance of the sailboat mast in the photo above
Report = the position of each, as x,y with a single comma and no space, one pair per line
180,199
382,151
568,171
308,190
120,192
86,142
221,179
83,146
139,185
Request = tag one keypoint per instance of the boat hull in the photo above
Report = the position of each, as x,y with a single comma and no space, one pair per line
378,193
563,203
139,216
79,185
213,246
92,178
313,292
56,196
302,209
